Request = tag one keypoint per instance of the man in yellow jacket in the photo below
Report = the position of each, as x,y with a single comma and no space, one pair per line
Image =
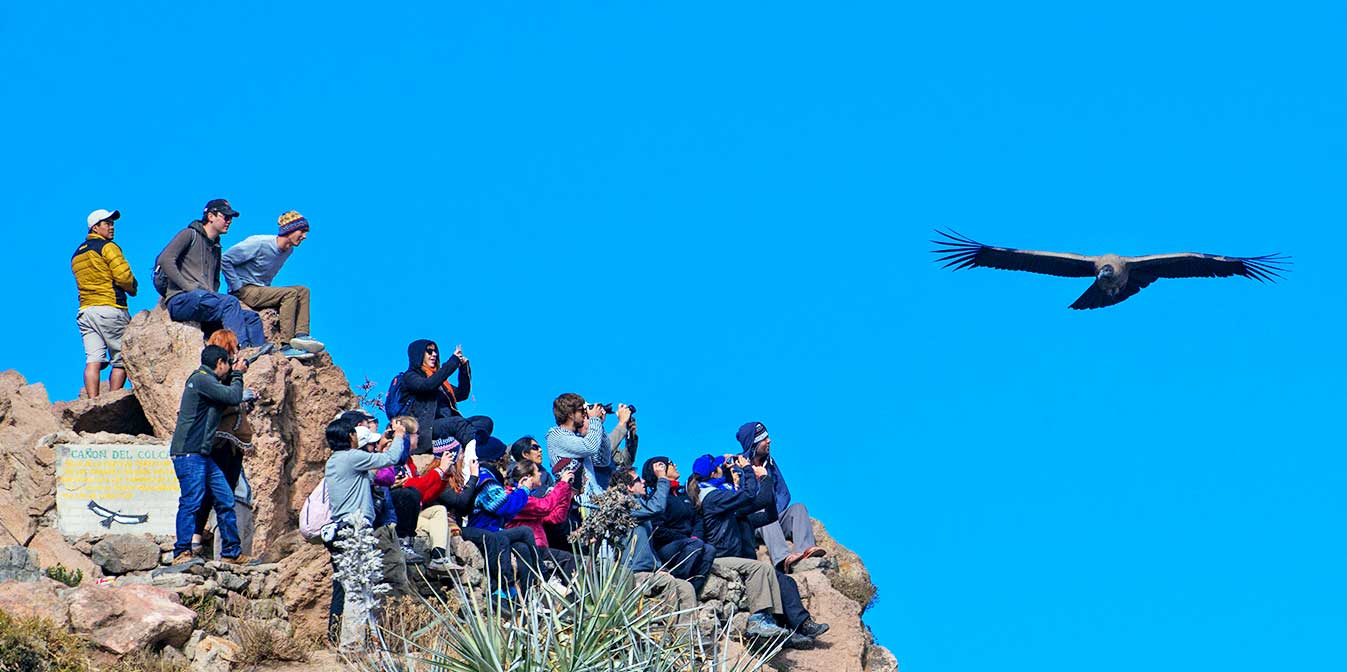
104,280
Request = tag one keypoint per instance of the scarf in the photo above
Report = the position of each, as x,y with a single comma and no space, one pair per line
449,389
719,483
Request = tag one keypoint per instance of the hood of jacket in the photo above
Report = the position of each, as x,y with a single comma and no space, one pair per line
416,351
648,470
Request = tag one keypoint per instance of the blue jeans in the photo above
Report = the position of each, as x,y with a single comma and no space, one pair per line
200,305
197,473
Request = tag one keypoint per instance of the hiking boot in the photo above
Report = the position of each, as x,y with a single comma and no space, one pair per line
240,559
812,628
306,343
799,641
814,552
759,625
444,564
409,554
183,558
791,560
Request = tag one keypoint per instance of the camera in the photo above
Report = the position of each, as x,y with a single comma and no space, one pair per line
609,408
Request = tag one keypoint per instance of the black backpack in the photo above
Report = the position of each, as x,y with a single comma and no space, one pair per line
161,280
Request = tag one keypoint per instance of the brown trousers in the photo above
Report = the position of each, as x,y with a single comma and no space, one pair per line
292,302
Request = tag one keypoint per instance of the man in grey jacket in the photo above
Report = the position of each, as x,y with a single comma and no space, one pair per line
187,274
215,386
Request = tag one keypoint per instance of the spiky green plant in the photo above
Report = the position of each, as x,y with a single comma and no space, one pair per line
605,624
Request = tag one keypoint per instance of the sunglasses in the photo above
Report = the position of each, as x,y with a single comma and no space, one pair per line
432,351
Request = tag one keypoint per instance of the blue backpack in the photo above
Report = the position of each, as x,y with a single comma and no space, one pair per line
394,404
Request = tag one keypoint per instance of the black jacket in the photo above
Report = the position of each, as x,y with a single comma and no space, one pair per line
679,520
460,503
425,396
729,517
204,399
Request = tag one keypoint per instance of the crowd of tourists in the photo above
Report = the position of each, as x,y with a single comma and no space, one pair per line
432,471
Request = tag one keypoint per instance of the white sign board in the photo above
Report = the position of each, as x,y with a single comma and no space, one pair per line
115,489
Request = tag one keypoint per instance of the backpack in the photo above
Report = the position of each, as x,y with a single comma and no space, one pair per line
394,404
161,280
315,515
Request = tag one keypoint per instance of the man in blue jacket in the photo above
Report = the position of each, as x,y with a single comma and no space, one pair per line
215,386
793,522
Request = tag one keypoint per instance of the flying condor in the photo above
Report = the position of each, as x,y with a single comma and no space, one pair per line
1115,277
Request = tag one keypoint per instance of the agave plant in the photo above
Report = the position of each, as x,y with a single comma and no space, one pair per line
605,623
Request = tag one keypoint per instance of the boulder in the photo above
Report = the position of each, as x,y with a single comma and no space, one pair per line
35,599
27,491
18,564
122,619
123,553
115,411
53,550
306,578
159,354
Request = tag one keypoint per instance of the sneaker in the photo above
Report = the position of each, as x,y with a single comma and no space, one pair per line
811,628
557,587
293,353
240,559
799,641
306,343
183,558
759,625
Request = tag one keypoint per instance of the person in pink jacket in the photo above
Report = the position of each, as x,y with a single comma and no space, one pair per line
549,509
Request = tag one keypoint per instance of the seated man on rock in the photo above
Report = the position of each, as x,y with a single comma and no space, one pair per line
793,522
251,265
187,275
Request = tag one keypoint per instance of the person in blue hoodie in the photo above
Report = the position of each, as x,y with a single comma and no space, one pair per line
493,506
792,522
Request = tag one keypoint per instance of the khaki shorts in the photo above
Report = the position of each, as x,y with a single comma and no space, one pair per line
101,328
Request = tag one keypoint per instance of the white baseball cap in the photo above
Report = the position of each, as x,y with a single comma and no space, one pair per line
100,214
364,437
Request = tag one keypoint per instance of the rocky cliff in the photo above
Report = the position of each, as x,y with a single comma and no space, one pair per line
296,401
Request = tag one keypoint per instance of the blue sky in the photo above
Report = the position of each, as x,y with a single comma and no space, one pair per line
720,213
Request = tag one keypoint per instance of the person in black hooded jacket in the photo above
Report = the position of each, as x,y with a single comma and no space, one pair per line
429,397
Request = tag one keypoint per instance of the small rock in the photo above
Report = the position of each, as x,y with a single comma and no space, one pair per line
123,553
173,658
232,582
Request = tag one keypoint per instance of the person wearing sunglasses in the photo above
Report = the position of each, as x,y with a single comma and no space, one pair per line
427,395
187,275
527,449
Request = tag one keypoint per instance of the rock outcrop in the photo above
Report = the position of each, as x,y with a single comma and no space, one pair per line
296,399
27,488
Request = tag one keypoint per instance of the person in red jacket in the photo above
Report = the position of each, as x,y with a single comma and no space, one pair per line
549,509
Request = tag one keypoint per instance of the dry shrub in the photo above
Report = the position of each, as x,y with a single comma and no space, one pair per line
38,645
150,661
259,644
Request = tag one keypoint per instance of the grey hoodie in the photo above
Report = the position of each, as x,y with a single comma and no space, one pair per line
200,261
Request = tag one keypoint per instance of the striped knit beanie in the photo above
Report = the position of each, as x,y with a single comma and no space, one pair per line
291,222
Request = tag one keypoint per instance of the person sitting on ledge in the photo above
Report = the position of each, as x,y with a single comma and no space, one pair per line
104,280
212,388
250,266
187,275
793,522
429,397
